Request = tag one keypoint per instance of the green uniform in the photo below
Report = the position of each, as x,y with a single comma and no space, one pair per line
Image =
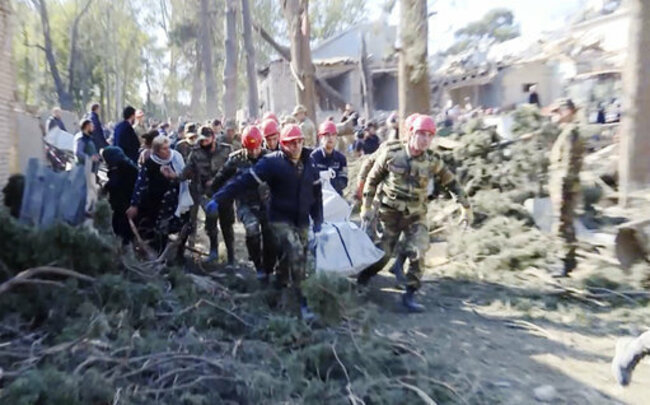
403,203
251,211
564,189
201,167
235,144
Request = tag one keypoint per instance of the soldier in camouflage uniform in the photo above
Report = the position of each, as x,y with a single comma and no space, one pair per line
404,170
203,163
229,136
251,210
564,184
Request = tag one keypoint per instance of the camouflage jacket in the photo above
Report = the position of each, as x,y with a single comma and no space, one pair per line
405,180
235,144
238,162
567,153
202,165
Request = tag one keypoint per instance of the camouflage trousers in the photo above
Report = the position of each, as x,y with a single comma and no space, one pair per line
414,245
259,238
564,198
292,245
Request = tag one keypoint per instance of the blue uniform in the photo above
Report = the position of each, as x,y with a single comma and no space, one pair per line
335,161
295,189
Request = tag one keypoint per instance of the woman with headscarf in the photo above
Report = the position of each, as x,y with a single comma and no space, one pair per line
160,203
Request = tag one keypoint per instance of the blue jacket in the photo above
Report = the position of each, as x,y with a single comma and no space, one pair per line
98,131
84,148
335,161
294,197
126,139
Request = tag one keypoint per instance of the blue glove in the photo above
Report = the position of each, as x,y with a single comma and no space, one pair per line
212,207
316,227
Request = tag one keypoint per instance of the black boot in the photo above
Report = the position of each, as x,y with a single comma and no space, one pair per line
408,300
229,241
253,244
398,270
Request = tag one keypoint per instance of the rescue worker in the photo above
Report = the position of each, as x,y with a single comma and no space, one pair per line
229,136
564,183
404,170
206,159
295,197
328,159
271,132
306,125
398,267
251,210
269,115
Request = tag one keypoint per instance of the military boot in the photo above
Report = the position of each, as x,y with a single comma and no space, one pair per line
398,270
408,300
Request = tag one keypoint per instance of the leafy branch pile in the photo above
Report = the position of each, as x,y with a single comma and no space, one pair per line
499,176
120,333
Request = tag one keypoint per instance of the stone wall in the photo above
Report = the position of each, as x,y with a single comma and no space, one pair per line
8,144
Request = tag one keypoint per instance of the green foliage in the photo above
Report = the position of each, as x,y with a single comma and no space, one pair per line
329,17
77,248
495,26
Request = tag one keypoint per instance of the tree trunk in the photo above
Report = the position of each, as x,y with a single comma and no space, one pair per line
65,99
195,100
72,54
634,165
205,38
296,13
253,97
366,79
230,67
413,81
324,89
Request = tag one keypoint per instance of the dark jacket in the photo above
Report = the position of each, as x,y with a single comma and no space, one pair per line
84,148
238,163
126,139
122,173
335,161
98,131
53,121
294,196
368,145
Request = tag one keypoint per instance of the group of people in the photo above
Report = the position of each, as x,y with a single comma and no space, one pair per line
271,172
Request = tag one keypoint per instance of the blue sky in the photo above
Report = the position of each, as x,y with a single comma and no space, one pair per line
534,16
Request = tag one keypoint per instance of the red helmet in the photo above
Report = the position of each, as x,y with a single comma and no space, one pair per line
291,132
251,137
424,123
327,127
408,122
269,127
270,116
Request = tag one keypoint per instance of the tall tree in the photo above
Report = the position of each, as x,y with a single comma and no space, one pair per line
253,97
296,12
230,67
205,38
413,71
497,25
635,131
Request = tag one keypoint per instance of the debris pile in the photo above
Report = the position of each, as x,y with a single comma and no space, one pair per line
89,329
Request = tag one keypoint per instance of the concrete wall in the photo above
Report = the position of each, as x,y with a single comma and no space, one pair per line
8,146
30,138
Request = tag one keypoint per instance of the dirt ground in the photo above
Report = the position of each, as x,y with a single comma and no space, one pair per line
508,334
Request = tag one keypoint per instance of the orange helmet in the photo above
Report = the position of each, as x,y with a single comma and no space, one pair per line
270,116
408,122
251,137
269,127
424,123
327,127
291,132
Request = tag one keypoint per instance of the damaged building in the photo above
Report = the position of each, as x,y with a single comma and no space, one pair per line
338,61
583,61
